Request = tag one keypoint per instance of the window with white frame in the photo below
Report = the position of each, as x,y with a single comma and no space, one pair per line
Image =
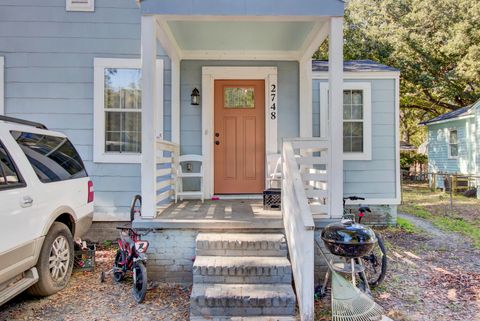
118,109
80,5
357,119
453,143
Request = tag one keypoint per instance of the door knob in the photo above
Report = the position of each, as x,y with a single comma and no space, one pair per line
217,142
217,134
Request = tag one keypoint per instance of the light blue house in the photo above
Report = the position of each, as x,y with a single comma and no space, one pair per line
453,142
117,76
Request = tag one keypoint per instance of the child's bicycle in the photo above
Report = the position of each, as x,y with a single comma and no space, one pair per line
131,257
375,263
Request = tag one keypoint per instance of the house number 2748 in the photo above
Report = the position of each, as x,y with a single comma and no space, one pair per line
273,106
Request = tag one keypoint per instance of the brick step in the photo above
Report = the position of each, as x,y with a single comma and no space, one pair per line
257,318
242,269
245,300
241,244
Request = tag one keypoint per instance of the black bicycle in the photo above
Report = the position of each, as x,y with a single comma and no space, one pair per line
375,263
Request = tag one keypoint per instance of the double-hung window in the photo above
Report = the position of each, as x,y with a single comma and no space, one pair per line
452,143
357,119
118,110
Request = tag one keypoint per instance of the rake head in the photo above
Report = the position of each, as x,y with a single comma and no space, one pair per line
351,304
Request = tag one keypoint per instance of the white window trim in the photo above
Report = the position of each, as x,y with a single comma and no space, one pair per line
367,117
2,86
99,154
72,6
449,130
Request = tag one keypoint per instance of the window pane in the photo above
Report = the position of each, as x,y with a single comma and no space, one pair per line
357,145
112,121
347,97
357,97
53,158
239,97
453,137
122,88
353,121
347,112
123,132
357,129
112,142
347,144
454,150
357,112
353,137
8,174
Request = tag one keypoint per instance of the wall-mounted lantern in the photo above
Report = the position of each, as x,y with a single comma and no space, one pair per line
195,97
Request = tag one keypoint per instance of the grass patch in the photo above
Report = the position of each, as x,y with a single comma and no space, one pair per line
406,225
434,207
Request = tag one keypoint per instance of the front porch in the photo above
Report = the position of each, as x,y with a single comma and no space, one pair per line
264,50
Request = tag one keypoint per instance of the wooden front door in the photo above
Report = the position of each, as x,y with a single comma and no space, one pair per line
239,136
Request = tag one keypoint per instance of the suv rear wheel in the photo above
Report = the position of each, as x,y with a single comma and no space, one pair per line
55,263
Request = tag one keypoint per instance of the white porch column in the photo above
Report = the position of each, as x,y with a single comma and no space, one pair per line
335,81
149,116
175,100
305,82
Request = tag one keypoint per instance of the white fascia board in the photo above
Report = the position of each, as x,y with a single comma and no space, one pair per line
450,120
239,55
360,75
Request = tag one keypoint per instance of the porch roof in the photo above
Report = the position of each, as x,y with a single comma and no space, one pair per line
325,8
243,29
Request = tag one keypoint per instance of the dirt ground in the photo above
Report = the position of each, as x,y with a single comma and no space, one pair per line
433,274
86,299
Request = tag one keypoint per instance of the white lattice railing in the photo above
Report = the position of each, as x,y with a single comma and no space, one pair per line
167,161
304,193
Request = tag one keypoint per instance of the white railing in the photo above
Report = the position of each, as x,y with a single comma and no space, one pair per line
167,162
304,189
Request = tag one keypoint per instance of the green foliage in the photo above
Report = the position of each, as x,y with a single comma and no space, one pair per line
406,225
434,43
408,159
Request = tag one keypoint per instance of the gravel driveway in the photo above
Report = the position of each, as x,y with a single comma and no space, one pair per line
85,299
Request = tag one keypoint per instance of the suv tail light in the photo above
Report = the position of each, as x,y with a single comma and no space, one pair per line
90,192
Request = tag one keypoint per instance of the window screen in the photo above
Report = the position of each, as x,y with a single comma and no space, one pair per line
53,158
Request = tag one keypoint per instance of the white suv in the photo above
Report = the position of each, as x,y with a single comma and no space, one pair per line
46,200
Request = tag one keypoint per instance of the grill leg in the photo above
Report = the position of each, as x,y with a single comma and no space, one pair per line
325,281
352,262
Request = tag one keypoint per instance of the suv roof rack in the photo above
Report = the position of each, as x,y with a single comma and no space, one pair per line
22,122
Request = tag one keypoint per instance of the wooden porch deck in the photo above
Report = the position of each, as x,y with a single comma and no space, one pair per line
220,214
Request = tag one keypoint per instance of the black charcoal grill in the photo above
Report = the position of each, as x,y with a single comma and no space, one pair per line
348,239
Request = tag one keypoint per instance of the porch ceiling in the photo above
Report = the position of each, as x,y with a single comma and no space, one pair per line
223,37
240,35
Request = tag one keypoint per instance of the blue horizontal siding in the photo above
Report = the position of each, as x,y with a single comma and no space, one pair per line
49,55
438,158
375,178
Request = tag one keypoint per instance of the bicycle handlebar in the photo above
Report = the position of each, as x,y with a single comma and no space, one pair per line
354,198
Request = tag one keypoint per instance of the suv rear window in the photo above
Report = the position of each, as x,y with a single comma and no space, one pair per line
53,158
9,177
